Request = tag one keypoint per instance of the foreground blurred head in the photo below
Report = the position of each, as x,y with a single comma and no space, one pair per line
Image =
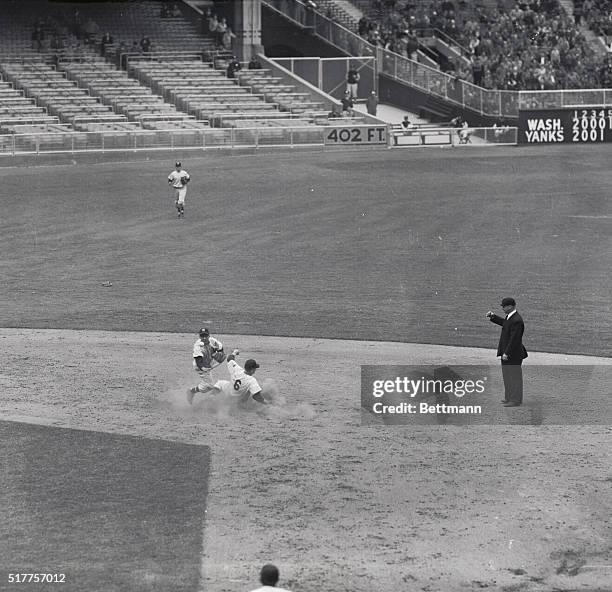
269,575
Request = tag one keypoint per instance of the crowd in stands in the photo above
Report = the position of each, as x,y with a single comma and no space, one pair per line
219,29
596,14
529,45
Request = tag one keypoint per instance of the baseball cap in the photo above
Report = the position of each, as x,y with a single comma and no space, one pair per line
177,163
203,332
508,302
251,365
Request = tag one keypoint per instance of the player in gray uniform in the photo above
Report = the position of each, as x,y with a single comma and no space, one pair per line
207,354
179,179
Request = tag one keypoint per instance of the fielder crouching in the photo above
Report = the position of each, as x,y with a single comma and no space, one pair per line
207,354
241,387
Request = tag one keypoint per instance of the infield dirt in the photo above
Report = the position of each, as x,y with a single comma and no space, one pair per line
338,506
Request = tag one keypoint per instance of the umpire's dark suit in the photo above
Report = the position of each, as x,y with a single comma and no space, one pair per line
511,344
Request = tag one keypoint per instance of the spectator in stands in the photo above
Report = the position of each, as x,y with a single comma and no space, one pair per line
107,39
362,26
457,121
135,48
38,36
372,103
516,35
605,73
412,46
145,44
269,577
347,103
220,31
352,82
56,43
477,71
336,112
228,37
233,67
120,52
206,16
407,125
90,29
577,12
254,64
175,11
77,27
213,22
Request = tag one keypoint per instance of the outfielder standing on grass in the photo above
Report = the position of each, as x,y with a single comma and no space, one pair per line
179,179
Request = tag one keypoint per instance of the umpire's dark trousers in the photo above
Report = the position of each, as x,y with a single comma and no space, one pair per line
512,373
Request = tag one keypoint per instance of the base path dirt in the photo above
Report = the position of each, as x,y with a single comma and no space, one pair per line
337,505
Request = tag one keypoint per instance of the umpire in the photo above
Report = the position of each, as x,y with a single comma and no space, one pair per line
511,351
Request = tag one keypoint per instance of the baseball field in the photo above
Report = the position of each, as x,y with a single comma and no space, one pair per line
314,264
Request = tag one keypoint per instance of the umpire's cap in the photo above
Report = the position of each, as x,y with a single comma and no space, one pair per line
269,574
508,302
251,365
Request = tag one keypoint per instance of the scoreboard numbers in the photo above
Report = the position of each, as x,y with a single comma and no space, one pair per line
569,125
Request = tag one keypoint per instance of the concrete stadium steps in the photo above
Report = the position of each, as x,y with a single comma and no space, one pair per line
21,112
16,101
41,128
202,91
52,102
7,122
167,86
183,125
126,21
189,102
217,112
275,90
130,21
55,93
147,72
97,126
125,95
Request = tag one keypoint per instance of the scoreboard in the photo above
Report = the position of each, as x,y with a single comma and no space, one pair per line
575,125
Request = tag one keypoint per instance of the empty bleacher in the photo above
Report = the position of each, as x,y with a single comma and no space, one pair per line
283,94
200,90
171,88
125,95
55,93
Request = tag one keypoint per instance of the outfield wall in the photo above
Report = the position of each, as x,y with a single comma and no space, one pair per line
339,134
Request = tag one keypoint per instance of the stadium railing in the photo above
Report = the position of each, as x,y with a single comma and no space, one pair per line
494,103
558,99
341,133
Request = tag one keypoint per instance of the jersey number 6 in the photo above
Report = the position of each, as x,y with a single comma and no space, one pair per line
237,384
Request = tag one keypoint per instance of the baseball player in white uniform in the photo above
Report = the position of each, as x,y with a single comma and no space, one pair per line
242,385
179,179
207,354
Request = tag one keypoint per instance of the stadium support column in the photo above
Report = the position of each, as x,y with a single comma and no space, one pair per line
247,20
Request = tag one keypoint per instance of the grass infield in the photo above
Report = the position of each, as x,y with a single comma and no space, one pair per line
401,245
111,512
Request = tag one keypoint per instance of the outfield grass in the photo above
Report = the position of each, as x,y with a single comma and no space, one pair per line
404,245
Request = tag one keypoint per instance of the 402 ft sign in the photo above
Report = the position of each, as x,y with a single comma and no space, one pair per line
356,135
